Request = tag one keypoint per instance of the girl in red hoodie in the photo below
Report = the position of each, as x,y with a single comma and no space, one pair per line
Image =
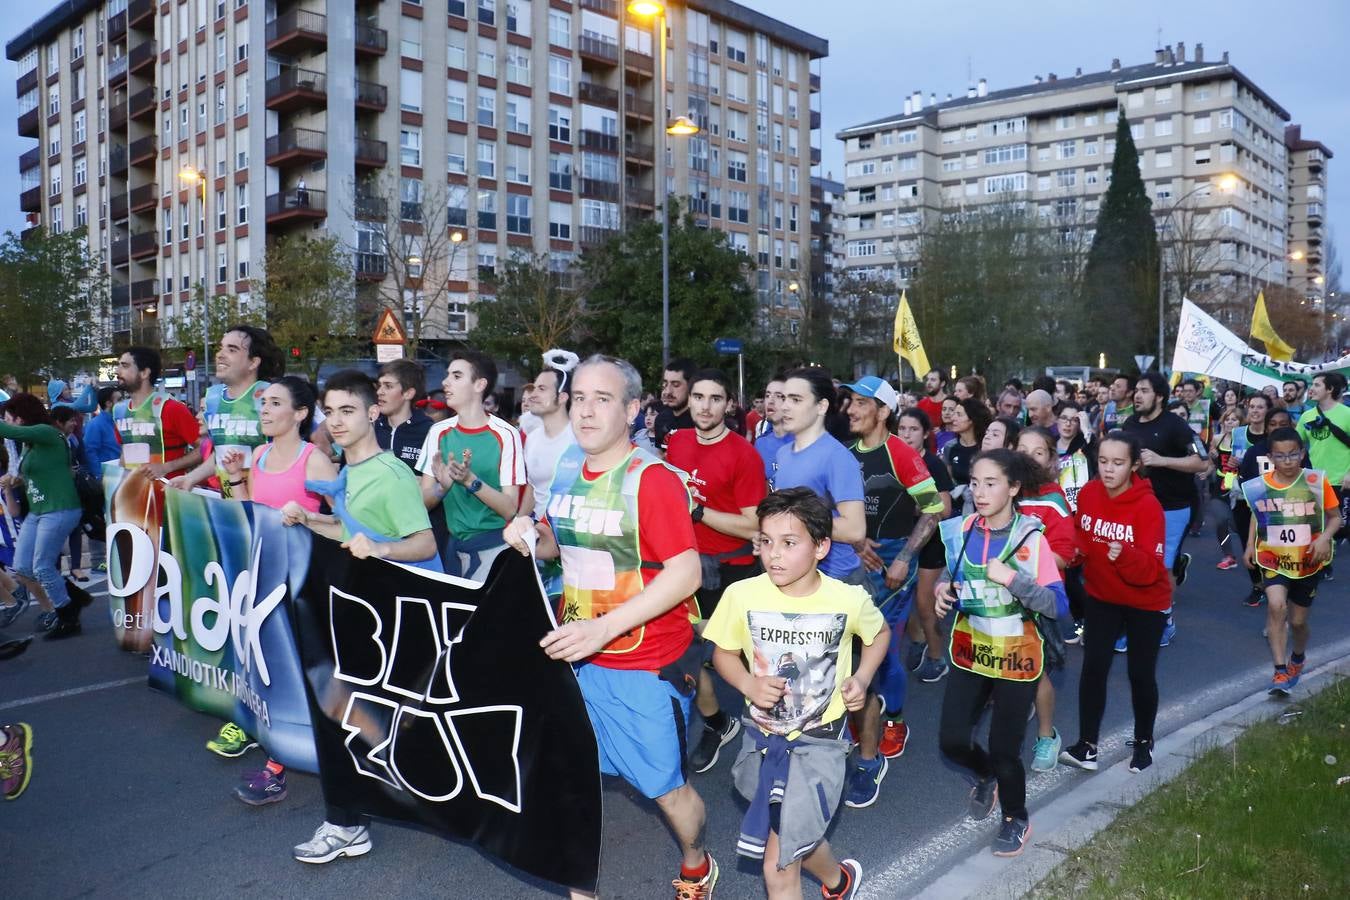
1121,533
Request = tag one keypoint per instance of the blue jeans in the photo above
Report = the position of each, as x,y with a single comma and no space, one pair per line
891,679
37,552
1177,521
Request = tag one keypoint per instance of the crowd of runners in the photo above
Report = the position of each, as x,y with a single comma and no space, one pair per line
814,549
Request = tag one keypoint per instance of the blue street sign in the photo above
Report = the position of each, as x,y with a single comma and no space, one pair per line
728,345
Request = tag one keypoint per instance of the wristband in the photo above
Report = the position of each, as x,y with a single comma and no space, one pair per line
237,483
474,486
697,514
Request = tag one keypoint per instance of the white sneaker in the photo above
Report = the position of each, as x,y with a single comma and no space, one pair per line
331,841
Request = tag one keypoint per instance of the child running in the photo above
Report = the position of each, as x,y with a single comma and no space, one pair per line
784,640
1001,571
1295,517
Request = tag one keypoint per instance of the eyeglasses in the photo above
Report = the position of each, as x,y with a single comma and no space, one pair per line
1286,457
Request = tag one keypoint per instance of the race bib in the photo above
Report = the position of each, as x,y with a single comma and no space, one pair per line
135,454
225,450
1289,535
587,569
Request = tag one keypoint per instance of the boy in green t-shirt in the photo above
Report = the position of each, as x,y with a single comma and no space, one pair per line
784,639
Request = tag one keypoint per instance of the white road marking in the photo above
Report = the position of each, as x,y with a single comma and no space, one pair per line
73,692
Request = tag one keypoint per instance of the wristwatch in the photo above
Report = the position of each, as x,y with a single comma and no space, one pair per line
474,486
697,514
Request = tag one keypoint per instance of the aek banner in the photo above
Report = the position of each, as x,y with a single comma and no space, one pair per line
434,705
137,505
1206,347
217,580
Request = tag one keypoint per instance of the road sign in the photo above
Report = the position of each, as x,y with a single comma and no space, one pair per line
388,352
1143,362
190,362
389,330
728,345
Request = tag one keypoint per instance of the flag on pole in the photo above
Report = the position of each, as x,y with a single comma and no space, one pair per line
908,344
1263,331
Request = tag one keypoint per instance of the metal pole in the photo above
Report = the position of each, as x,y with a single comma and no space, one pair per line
740,378
1162,283
206,319
660,175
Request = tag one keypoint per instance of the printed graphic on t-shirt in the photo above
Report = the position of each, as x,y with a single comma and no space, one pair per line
802,648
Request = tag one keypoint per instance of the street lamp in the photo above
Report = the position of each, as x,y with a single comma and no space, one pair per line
193,175
681,126
1227,183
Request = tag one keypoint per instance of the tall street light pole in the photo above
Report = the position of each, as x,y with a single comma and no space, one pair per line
681,126
193,175
1226,183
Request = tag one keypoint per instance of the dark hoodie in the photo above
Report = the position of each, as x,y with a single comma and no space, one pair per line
1138,576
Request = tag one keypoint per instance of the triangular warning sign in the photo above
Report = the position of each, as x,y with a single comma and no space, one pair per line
389,330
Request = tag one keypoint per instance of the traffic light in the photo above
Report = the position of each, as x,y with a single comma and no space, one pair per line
295,353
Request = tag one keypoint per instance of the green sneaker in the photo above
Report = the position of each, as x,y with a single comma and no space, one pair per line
231,742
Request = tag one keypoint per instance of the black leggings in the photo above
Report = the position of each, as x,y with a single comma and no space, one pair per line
962,705
1076,592
1143,628
1242,520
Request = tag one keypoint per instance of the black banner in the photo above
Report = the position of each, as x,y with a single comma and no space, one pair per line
434,705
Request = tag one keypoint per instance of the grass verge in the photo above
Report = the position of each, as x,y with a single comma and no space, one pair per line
1262,817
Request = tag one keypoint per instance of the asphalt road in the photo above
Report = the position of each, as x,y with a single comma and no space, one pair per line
125,799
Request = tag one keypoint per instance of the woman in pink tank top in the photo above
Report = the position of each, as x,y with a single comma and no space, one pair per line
280,467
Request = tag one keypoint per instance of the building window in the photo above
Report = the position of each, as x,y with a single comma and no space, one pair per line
517,214
518,164
1066,150
560,124
560,76
410,146
487,108
54,100
487,12
456,100
222,211
54,183
560,221
1162,127
518,65
81,170
81,212
241,204
410,90
487,214
518,16
487,61
455,149
487,159
736,166
559,28
1201,124
456,55
79,127
410,37
560,171
518,115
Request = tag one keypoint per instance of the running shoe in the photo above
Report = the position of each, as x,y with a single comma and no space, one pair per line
917,649
9,613
983,796
1074,634
1226,563
331,841
697,890
1169,633
1142,757
848,887
1081,755
1179,568
231,742
14,646
894,737
864,782
1046,753
261,787
1328,575
1122,644
1280,685
1012,837
1295,671
1254,599
711,742
45,621
932,670
16,759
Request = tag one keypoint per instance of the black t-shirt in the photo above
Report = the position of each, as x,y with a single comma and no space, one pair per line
959,457
932,556
1166,435
667,421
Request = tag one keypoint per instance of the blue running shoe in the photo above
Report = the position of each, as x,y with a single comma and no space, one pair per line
1169,632
1122,644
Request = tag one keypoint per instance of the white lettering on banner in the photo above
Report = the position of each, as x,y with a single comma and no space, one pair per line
381,723
212,676
239,613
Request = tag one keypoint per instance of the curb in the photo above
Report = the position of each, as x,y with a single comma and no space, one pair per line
1075,818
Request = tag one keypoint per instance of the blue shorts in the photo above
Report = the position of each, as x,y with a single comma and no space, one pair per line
1177,521
640,724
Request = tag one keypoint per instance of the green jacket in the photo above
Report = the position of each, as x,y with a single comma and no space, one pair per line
45,467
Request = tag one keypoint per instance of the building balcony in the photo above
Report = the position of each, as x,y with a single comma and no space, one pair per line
368,265
140,10
29,233
637,108
597,50
815,120
144,244
117,70
371,41
372,96
144,150
815,156
296,31
598,94
596,189
145,289
595,235
371,153
595,140
641,197
608,7
120,295
371,208
118,253
29,122
26,82
30,201
117,116
142,104
117,161
639,62
31,159
296,88
117,207
144,198
296,144
815,83
643,154
117,26
296,203
143,54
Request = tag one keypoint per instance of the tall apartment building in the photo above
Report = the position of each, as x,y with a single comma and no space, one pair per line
827,235
1212,152
535,120
1307,212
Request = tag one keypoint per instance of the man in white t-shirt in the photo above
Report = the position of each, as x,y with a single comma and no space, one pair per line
545,445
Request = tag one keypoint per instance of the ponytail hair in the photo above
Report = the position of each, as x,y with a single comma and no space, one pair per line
1019,469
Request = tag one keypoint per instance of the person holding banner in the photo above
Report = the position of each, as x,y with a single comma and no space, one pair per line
158,434
1295,517
625,622
1325,427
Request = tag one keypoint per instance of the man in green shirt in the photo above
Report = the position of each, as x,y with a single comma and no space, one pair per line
1325,425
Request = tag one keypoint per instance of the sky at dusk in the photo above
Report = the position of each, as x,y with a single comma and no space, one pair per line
882,50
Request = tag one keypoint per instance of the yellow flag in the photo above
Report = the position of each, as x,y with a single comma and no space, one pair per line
1263,331
907,341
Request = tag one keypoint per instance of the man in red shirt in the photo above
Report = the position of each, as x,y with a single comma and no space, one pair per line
726,480
157,432
935,391
617,517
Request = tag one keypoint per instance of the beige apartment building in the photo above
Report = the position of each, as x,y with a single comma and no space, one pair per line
1213,154
534,123
1307,212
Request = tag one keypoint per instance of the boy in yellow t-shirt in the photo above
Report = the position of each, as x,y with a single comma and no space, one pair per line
784,639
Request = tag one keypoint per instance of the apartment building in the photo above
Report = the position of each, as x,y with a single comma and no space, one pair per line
827,235
1307,212
185,133
1212,152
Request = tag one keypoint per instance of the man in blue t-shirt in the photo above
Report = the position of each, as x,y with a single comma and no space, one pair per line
772,436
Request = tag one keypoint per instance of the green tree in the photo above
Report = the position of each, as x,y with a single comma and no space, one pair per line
1120,284
533,309
53,297
308,291
709,294
222,311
